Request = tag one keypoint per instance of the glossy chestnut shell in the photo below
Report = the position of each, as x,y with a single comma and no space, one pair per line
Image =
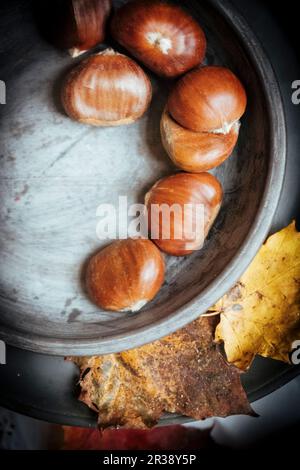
183,189
106,89
162,36
196,151
125,275
208,99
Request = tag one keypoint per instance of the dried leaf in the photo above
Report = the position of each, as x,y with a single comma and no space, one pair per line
183,373
261,314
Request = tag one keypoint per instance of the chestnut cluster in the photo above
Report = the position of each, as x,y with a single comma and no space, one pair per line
200,125
110,89
199,129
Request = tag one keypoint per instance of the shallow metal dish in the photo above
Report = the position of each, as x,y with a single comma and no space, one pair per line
55,172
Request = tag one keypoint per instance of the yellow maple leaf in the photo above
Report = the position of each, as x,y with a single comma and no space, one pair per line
261,313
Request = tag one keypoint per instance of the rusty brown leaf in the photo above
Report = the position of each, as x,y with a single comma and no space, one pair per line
183,373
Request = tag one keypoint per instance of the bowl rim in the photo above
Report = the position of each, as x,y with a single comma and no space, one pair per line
239,263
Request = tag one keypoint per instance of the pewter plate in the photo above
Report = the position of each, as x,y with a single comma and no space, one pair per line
56,172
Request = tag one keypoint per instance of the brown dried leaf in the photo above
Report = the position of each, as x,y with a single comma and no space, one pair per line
183,373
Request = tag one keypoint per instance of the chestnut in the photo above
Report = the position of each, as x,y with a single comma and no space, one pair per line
89,18
106,89
76,25
125,275
185,191
162,36
208,99
196,151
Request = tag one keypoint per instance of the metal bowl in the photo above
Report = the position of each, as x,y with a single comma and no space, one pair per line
55,172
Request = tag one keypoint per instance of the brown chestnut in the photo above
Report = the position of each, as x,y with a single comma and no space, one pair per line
106,89
162,36
89,18
125,275
196,151
208,99
185,191
76,25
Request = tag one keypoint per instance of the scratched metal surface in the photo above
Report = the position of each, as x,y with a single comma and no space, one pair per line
55,172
